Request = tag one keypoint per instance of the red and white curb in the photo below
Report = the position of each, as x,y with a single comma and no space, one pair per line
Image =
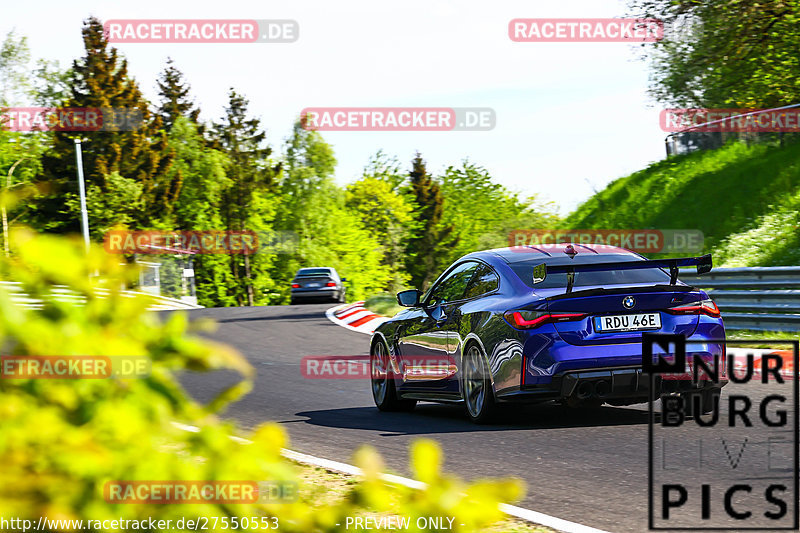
355,317
740,365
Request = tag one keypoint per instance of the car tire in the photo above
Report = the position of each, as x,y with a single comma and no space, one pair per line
292,301
382,382
476,386
341,296
707,399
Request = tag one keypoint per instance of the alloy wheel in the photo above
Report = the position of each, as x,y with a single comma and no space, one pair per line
379,371
474,382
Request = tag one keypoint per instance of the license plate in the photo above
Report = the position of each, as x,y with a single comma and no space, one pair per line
313,285
604,324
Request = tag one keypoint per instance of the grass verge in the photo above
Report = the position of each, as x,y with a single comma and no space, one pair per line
383,304
756,186
758,336
327,488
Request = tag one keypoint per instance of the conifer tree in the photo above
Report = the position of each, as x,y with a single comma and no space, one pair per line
137,150
175,100
250,171
421,250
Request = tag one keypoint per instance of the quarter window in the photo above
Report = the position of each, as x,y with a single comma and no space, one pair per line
485,280
453,286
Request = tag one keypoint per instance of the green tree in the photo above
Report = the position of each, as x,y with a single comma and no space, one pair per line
386,168
203,172
307,150
20,163
100,80
50,83
118,203
46,84
252,175
309,166
484,212
15,73
21,153
721,53
386,214
175,100
328,233
423,260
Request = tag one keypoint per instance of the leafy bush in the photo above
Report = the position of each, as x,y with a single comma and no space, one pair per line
62,440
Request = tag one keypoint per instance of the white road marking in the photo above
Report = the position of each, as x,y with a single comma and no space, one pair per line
542,519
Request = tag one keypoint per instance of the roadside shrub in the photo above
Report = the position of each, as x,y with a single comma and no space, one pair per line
61,440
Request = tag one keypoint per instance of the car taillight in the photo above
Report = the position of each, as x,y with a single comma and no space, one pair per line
533,319
706,307
295,285
330,284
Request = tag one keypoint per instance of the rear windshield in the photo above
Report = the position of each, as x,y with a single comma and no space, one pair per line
304,272
524,269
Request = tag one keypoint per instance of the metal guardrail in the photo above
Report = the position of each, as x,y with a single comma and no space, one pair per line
64,294
695,138
755,298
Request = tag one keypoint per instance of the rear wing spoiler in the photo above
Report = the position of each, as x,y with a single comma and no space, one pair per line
703,264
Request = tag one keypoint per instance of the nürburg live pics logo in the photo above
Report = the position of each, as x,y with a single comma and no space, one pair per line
724,461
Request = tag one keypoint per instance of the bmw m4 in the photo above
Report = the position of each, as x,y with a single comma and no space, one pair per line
542,323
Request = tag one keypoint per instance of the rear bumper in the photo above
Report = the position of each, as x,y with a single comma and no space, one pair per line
327,292
613,385
546,355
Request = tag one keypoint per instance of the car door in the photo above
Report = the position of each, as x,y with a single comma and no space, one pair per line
483,282
424,347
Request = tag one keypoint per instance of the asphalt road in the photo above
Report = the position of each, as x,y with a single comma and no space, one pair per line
589,467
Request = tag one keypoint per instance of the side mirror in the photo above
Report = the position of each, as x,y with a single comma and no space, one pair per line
343,280
409,298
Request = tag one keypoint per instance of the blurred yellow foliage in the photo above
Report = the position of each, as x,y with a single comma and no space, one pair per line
61,440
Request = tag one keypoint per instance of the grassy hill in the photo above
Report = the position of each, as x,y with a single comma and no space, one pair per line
745,200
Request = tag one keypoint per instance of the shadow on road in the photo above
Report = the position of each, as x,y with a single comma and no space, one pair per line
431,419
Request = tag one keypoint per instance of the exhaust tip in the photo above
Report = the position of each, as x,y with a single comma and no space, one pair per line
585,390
602,388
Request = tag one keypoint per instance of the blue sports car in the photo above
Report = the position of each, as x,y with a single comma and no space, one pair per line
542,323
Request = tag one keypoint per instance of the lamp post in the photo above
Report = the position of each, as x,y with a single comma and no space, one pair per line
81,188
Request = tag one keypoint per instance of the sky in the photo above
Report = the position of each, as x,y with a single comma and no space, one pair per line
571,117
